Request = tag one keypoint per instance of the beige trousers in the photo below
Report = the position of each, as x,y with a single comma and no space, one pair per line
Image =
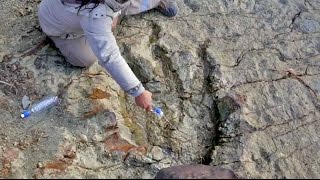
78,51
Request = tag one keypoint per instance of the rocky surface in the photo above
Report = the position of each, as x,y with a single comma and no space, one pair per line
195,171
238,82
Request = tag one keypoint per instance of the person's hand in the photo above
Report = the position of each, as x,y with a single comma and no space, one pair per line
144,100
114,23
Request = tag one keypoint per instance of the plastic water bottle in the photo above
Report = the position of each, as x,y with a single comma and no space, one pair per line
158,112
40,106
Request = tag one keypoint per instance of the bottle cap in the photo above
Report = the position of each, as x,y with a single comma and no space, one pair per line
158,111
25,114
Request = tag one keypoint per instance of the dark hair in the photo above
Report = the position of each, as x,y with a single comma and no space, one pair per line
86,2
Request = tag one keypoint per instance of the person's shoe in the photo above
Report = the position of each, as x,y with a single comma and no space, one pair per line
168,8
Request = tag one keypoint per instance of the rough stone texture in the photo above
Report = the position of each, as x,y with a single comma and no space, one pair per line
195,171
238,82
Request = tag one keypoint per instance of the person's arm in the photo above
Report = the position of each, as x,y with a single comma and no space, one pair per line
103,43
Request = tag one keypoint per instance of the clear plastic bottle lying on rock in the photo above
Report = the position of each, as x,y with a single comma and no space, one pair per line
40,106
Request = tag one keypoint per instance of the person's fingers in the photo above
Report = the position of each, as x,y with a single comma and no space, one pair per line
149,108
114,23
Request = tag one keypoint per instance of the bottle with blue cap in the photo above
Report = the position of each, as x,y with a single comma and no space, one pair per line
158,112
40,106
